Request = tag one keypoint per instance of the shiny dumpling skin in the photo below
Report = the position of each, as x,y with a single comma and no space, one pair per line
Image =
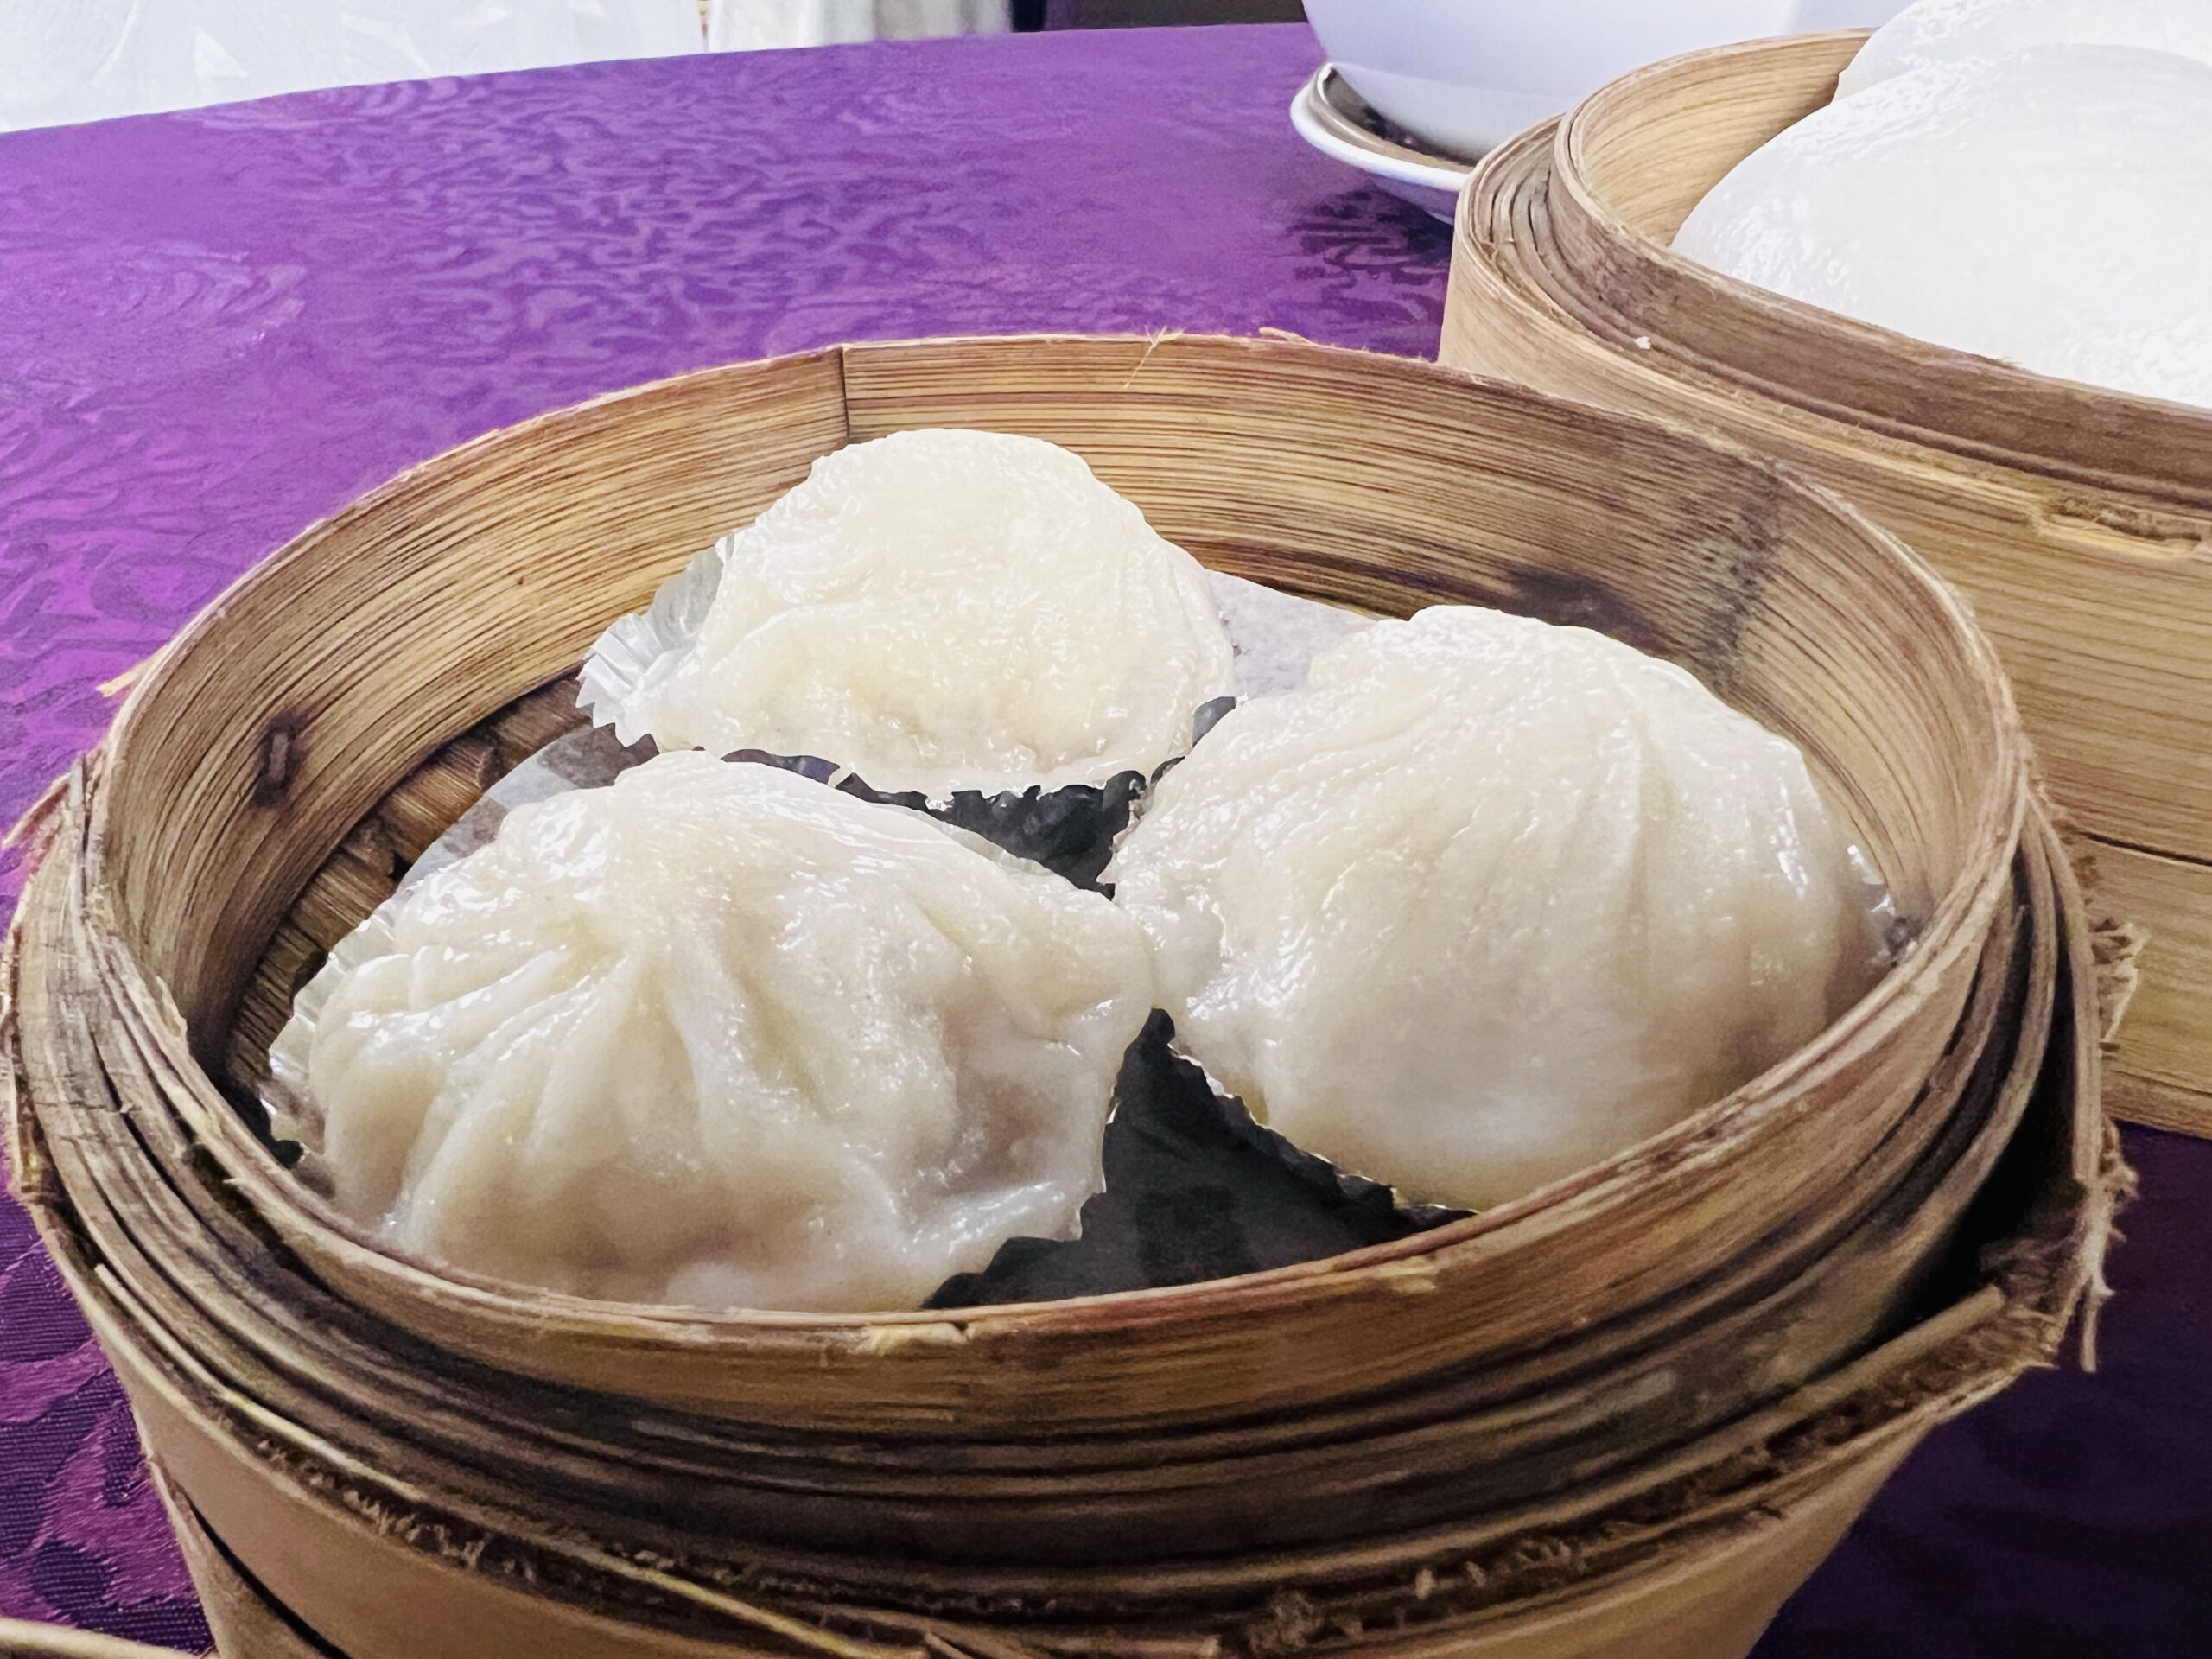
943,610
1489,901
2046,208
716,1036
1951,31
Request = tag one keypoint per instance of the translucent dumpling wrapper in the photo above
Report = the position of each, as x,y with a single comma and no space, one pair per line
2045,207
716,1036
1938,32
933,611
1489,901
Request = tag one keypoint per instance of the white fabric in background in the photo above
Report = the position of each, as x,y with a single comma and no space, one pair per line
64,61
749,25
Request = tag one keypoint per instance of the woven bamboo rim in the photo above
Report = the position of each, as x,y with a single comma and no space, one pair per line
257,741
2075,518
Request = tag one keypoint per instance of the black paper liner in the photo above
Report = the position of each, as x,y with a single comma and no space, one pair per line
1318,1172
1070,830
1187,1198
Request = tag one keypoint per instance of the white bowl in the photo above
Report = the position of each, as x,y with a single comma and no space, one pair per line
1467,74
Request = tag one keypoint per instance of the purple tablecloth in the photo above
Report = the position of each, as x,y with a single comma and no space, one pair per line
215,327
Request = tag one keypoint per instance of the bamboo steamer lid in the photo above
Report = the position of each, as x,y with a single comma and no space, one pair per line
386,1449
2078,520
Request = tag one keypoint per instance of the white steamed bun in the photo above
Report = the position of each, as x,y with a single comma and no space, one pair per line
2046,207
1951,31
716,1036
943,610
1490,900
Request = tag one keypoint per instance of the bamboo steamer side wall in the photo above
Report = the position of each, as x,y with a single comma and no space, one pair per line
2096,588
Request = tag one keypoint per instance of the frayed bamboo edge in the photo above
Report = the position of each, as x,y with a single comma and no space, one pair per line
2115,949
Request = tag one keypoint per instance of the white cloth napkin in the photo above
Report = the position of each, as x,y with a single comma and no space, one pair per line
748,25
64,61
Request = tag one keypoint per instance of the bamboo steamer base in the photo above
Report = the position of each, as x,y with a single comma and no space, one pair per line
316,1568
331,1566
406,1466
1716,1608
2026,550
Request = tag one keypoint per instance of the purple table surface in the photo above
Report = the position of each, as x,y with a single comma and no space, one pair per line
216,327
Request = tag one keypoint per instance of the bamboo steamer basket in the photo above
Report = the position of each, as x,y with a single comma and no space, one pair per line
373,1442
2078,520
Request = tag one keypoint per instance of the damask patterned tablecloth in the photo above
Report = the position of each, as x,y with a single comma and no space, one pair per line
216,327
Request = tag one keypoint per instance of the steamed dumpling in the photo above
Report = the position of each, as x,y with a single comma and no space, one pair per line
1951,31
946,610
718,1035
1490,900
2046,208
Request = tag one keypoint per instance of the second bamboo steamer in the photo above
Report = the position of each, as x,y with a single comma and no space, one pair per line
2078,521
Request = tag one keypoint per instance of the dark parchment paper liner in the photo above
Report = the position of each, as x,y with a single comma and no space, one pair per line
1070,829
1186,1201
1359,1191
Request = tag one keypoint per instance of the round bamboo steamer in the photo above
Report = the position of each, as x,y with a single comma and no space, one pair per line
373,1440
2078,521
